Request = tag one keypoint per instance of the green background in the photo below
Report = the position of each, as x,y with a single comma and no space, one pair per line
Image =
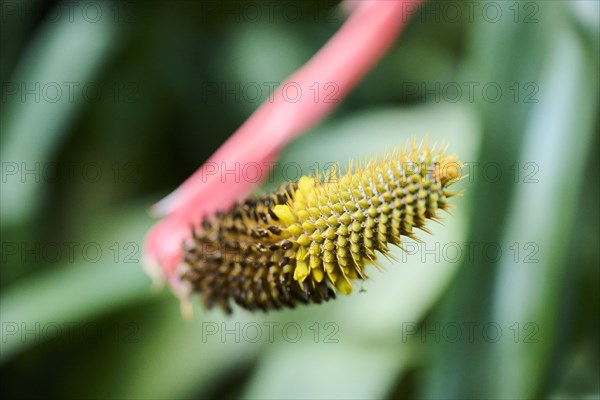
107,107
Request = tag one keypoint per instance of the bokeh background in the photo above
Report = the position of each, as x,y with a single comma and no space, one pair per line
108,106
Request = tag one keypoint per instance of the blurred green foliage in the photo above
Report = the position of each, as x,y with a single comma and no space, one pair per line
509,310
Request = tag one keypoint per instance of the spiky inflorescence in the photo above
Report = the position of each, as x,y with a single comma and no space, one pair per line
310,239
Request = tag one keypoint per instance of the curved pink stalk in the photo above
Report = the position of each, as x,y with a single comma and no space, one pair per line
335,69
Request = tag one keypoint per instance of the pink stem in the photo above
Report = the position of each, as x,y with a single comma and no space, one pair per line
293,109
